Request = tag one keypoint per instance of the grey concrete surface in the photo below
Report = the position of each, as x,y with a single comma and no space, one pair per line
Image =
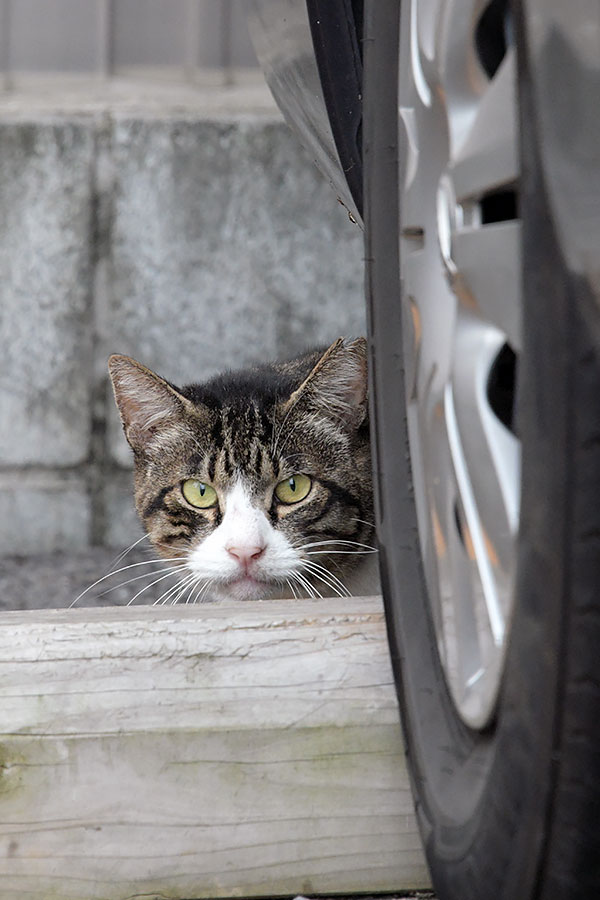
120,520
67,34
54,580
45,266
43,509
185,227
218,239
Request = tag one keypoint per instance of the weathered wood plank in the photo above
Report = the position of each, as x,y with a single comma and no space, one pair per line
217,751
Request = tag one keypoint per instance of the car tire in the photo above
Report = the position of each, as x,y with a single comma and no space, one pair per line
508,807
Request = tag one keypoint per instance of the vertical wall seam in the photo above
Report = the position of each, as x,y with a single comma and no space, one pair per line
102,182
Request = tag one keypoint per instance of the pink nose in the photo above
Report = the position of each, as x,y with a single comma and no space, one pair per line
245,555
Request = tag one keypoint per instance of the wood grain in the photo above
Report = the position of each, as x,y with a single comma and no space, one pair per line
225,750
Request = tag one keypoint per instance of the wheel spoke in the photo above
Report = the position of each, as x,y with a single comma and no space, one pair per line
462,81
488,259
489,451
487,158
470,620
479,546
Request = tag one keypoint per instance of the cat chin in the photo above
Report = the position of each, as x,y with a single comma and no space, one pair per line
245,589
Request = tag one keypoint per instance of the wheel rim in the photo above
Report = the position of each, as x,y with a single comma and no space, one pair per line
461,303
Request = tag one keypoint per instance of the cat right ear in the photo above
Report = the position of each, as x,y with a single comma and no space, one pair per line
145,401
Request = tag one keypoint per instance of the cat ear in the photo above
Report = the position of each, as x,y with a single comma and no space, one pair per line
337,384
145,401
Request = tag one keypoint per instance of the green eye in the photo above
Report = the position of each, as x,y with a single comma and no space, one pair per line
199,494
294,489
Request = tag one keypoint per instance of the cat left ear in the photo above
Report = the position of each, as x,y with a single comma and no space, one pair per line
338,383
145,401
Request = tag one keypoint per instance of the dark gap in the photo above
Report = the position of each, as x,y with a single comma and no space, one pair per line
493,35
501,386
458,523
358,13
499,206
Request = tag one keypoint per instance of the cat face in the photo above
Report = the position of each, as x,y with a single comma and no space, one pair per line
259,480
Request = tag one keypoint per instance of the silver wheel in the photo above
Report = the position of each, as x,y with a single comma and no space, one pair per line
461,303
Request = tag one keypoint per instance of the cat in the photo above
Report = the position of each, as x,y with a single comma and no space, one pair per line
259,481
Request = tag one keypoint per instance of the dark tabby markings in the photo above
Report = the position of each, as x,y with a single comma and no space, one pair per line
265,419
157,502
311,521
181,522
341,494
212,464
217,432
172,538
227,464
258,459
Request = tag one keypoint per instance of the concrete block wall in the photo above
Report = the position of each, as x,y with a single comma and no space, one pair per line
192,243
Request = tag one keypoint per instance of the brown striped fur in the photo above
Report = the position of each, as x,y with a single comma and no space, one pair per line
258,426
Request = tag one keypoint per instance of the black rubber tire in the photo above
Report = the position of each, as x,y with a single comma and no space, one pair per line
512,812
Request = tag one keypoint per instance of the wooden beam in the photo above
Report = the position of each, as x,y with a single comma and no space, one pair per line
224,750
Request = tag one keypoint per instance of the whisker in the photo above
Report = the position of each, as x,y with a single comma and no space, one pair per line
340,541
122,555
201,590
307,585
290,581
318,567
292,588
123,584
188,584
145,588
329,585
196,586
210,583
146,562
362,522
171,592
338,552
202,595
174,589
176,598
192,587
328,578
301,587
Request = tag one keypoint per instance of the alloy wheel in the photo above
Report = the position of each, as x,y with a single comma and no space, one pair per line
461,305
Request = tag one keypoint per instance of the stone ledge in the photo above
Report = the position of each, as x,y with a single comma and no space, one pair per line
41,96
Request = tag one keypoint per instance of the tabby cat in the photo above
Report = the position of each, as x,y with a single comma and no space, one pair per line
259,480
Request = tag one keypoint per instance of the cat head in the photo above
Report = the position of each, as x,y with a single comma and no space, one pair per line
259,480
